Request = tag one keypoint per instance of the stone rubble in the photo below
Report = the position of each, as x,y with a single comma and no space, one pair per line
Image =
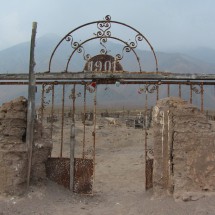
184,150
13,149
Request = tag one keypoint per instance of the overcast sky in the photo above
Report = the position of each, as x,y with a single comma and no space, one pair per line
168,24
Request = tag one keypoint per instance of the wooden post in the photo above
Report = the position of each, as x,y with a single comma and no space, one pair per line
72,142
31,103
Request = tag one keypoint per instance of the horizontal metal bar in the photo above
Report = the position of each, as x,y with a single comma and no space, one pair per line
108,81
115,76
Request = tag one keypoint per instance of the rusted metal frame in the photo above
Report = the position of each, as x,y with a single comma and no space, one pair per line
94,132
84,123
72,142
14,83
93,38
151,88
168,90
202,97
145,135
52,108
157,94
42,107
148,89
132,76
109,21
179,90
191,94
62,122
31,104
198,91
112,81
159,76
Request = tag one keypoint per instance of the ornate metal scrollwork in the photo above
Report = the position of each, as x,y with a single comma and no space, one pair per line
77,47
150,152
103,33
69,38
195,89
44,103
151,88
102,42
148,88
130,46
104,27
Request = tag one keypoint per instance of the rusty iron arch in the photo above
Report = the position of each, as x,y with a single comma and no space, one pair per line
103,32
80,49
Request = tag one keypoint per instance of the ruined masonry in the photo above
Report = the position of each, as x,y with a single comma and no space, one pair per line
184,151
13,149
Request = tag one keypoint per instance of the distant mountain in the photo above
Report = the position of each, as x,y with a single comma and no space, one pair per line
205,54
16,60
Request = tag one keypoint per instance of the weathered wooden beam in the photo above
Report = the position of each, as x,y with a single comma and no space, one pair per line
102,76
31,104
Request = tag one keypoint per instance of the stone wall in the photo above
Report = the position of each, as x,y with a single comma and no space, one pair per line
184,150
13,149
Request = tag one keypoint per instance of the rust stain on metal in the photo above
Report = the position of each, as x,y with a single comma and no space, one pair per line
101,62
57,170
62,122
149,173
202,97
179,90
83,180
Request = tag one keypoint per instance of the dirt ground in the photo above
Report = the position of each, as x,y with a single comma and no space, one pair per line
119,181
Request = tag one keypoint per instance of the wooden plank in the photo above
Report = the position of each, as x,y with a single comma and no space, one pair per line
31,104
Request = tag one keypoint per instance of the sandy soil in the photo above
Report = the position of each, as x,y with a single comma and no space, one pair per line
119,182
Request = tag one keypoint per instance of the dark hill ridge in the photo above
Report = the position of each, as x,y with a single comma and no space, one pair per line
16,59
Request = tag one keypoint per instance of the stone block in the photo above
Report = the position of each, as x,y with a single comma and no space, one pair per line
190,138
13,148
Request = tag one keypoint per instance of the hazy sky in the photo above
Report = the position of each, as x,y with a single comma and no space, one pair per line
168,24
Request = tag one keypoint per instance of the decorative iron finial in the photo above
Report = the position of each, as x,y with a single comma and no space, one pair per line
108,18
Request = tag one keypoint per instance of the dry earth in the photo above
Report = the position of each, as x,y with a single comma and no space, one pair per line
119,182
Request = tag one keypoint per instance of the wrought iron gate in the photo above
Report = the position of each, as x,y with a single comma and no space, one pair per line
104,63
72,85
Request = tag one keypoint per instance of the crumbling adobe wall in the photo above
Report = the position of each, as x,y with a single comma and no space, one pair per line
184,150
13,149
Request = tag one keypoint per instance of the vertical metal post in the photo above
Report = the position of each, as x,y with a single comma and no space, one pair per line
202,97
42,103
62,122
52,110
179,90
72,142
168,90
94,133
84,122
157,93
145,130
191,94
31,104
